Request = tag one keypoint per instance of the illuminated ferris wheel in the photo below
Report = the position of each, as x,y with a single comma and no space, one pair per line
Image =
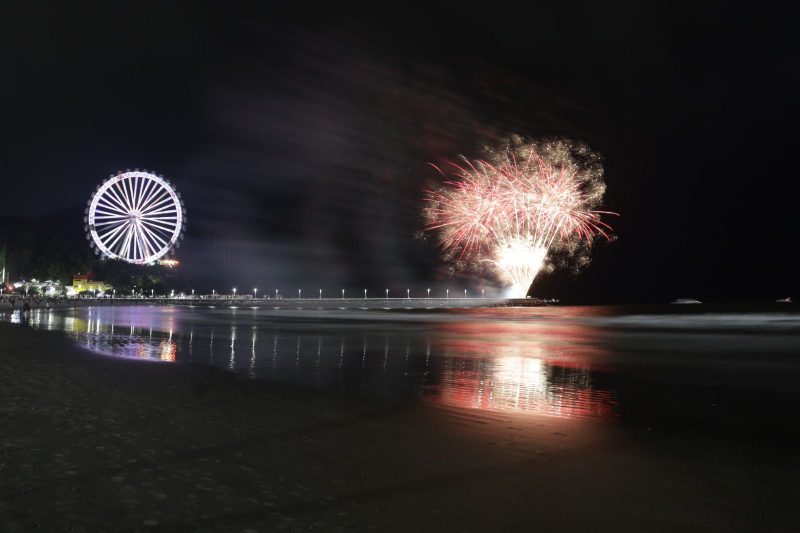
135,216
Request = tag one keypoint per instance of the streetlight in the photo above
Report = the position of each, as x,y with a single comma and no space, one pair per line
465,293
213,293
365,294
342,294
234,292
276,294
255,292
192,293
320,294
151,292
113,292
447,292
172,293
408,293
429,293
387,294
299,293
483,293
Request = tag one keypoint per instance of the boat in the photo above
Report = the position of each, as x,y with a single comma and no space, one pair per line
686,301
787,300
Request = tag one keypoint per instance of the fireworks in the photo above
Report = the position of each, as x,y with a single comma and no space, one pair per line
519,208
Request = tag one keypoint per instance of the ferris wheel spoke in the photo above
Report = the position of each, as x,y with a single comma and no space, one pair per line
151,244
114,223
108,216
139,250
110,210
111,233
118,193
122,241
154,236
158,195
126,246
114,194
129,192
134,187
160,204
112,203
146,189
132,244
125,186
168,211
165,209
118,234
141,244
172,219
160,225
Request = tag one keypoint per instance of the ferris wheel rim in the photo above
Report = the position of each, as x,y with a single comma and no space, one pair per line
135,216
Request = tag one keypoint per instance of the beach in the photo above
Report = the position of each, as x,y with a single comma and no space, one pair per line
95,443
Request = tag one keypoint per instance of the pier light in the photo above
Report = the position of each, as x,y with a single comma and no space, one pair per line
193,293
429,292
342,294
387,294
213,292
408,293
365,294
276,294
483,293
299,293
152,292
255,292
320,294
172,293
234,292
465,293
447,292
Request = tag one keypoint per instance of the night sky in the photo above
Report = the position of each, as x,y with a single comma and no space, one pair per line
300,135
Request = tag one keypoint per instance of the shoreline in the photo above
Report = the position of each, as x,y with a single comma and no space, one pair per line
96,443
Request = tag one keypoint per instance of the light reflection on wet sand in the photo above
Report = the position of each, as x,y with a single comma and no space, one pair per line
481,359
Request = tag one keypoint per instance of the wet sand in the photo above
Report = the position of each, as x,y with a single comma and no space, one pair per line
92,443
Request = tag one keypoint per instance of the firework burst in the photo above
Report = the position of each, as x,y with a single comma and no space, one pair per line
516,209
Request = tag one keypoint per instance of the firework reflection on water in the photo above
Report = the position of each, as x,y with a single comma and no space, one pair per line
478,359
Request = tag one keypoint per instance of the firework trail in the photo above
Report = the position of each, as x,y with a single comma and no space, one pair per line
518,208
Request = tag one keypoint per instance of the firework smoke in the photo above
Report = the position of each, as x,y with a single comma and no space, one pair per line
519,208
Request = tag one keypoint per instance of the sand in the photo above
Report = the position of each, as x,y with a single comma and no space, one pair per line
92,443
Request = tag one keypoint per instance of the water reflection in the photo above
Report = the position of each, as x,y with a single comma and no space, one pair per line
522,366
482,360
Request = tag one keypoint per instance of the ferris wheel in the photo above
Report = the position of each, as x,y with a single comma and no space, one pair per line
135,216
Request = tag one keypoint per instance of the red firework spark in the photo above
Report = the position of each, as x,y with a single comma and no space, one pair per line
534,194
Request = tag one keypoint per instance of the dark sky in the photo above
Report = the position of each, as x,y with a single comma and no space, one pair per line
300,135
